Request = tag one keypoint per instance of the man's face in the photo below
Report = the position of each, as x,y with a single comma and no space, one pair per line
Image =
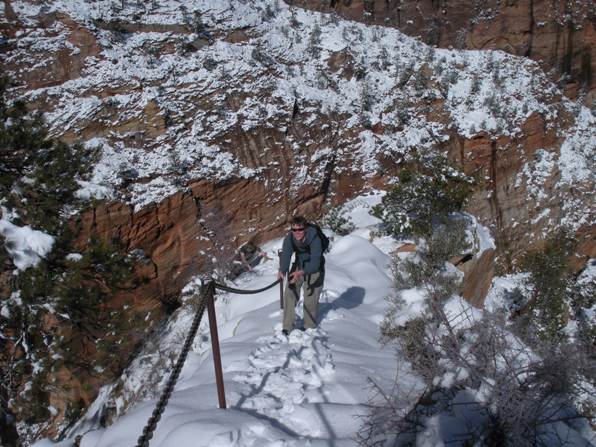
298,232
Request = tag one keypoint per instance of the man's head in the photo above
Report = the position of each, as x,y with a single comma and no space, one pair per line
298,227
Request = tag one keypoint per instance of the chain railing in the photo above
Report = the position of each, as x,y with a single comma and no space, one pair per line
206,300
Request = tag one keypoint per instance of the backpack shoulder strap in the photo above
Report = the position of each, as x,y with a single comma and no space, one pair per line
294,248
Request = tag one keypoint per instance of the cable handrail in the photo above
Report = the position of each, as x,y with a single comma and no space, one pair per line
143,440
228,289
206,300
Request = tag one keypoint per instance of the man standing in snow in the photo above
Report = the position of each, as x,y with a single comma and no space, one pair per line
308,272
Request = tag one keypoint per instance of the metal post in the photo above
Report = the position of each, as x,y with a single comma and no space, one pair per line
281,285
221,395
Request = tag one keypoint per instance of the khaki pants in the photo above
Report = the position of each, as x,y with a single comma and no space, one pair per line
312,285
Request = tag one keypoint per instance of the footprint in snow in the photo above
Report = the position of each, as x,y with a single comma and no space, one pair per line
285,372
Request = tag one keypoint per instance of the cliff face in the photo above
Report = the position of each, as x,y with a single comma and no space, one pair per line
520,200
287,109
559,34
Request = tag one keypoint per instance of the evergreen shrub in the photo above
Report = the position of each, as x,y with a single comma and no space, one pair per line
60,307
550,281
336,220
427,192
427,270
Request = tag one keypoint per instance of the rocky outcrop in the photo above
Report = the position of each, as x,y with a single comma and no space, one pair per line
65,62
478,275
559,34
505,203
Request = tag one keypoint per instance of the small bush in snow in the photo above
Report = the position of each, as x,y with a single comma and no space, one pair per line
427,192
178,169
268,13
294,22
428,263
493,104
475,84
197,23
336,220
550,280
422,80
406,75
452,77
515,395
384,58
314,41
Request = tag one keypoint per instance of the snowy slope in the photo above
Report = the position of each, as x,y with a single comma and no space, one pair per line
285,389
280,390
385,78
309,389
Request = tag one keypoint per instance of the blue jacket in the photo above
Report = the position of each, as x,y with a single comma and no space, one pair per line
309,254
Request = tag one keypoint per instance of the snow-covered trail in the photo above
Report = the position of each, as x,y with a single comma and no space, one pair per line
311,388
308,388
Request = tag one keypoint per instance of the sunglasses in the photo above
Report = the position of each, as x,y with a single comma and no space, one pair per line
297,229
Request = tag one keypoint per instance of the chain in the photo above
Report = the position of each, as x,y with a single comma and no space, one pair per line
165,396
244,292
206,294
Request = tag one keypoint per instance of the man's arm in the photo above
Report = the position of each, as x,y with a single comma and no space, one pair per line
286,257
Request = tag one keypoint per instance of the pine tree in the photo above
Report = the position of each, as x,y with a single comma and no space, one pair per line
38,179
428,190
37,174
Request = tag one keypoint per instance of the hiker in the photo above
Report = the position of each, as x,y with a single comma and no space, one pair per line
247,257
307,272
251,255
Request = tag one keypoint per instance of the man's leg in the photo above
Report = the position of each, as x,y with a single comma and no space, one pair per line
313,285
291,297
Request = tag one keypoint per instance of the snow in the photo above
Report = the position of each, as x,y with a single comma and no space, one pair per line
91,190
460,313
576,160
305,389
478,235
586,279
49,443
265,74
358,210
25,245
75,257
500,297
537,172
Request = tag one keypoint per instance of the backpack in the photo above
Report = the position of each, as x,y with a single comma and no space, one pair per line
322,236
324,239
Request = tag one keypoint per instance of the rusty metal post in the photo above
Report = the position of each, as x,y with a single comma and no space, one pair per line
281,285
221,395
